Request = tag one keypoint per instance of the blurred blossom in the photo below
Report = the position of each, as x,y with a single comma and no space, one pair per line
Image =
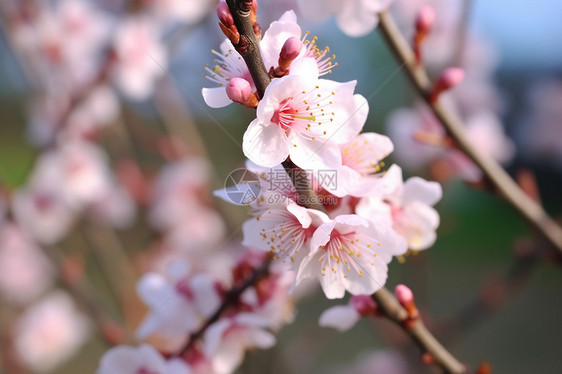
354,17
183,11
25,272
227,340
139,360
197,233
64,43
99,109
176,192
115,207
140,57
50,332
178,302
421,140
78,170
540,130
42,213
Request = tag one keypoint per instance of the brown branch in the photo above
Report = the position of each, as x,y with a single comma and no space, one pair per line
526,206
231,298
248,46
392,310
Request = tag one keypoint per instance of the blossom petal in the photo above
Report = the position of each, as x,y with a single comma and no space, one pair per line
311,154
216,97
418,189
276,35
340,317
153,289
356,21
266,145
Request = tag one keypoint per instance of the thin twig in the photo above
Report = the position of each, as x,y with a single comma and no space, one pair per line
526,206
392,310
231,298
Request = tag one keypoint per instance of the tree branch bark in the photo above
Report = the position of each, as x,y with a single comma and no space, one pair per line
419,333
526,206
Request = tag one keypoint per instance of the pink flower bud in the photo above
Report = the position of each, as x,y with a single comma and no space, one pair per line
240,91
449,78
404,295
364,304
425,20
223,12
290,50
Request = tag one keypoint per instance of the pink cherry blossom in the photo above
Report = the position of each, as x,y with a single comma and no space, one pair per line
305,119
361,160
408,206
178,302
144,359
50,332
344,317
25,271
226,341
284,231
351,253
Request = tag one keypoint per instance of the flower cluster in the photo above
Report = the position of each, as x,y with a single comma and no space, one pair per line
316,123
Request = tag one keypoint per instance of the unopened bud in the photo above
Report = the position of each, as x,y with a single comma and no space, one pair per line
227,22
405,297
364,305
240,91
425,20
291,50
223,12
424,24
449,78
427,358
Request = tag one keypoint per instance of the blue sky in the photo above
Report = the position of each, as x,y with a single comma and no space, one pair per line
527,32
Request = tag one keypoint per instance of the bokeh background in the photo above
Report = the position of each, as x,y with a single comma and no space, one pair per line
479,233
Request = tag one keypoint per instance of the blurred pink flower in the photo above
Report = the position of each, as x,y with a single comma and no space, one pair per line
25,271
144,359
50,332
354,17
226,341
141,57
178,302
